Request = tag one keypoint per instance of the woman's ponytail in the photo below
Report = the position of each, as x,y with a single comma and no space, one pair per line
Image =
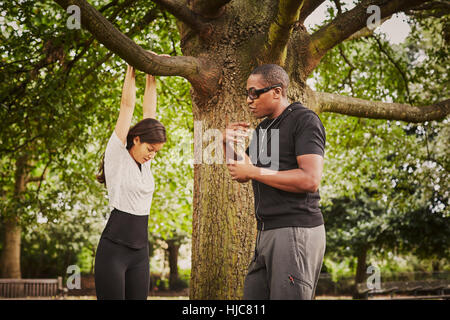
101,171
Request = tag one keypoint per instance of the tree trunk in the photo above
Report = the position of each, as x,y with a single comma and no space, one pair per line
436,266
224,224
10,257
361,270
223,217
173,248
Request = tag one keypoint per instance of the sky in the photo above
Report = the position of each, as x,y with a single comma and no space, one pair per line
396,28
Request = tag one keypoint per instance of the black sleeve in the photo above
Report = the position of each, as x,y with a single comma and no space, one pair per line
309,135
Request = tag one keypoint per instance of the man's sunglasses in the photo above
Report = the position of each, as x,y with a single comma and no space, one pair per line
253,93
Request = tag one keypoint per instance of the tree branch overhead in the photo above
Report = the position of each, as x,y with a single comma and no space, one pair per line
183,13
209,8
127,49
280,30
308,7
328,102
350,22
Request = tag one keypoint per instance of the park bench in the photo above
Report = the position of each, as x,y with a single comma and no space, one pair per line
32,288
413,290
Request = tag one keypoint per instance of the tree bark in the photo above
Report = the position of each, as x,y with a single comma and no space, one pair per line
350,22
280,31
361,270
173,247
308,7
10,257
223,219
436,266
224,225
329,102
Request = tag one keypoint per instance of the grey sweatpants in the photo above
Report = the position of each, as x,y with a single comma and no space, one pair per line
287,264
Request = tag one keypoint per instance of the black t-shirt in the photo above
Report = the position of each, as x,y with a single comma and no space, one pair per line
300,132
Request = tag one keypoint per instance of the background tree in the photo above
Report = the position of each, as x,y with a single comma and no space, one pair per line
50,95
384,182
221,42
356,227
171,214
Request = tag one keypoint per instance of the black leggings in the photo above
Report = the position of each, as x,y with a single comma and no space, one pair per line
121,272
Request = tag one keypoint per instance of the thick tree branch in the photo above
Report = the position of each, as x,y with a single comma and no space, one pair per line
350,22
54,54
146,20
209,8
435,9
116,41
183,13
366,31
308,7
280,30
434,5
328,102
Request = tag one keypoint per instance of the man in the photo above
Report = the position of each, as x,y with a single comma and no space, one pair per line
290,243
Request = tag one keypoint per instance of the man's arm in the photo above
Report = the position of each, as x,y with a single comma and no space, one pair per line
304,179
309,148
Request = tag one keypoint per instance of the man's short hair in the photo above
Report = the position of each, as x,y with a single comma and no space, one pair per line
273,74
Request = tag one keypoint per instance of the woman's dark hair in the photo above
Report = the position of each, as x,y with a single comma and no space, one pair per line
148,130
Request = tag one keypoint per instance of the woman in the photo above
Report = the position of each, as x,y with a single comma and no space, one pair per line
122,268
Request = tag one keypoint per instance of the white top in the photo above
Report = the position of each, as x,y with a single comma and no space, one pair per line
129,189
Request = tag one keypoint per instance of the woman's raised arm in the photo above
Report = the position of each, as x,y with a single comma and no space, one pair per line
126,105
149,102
